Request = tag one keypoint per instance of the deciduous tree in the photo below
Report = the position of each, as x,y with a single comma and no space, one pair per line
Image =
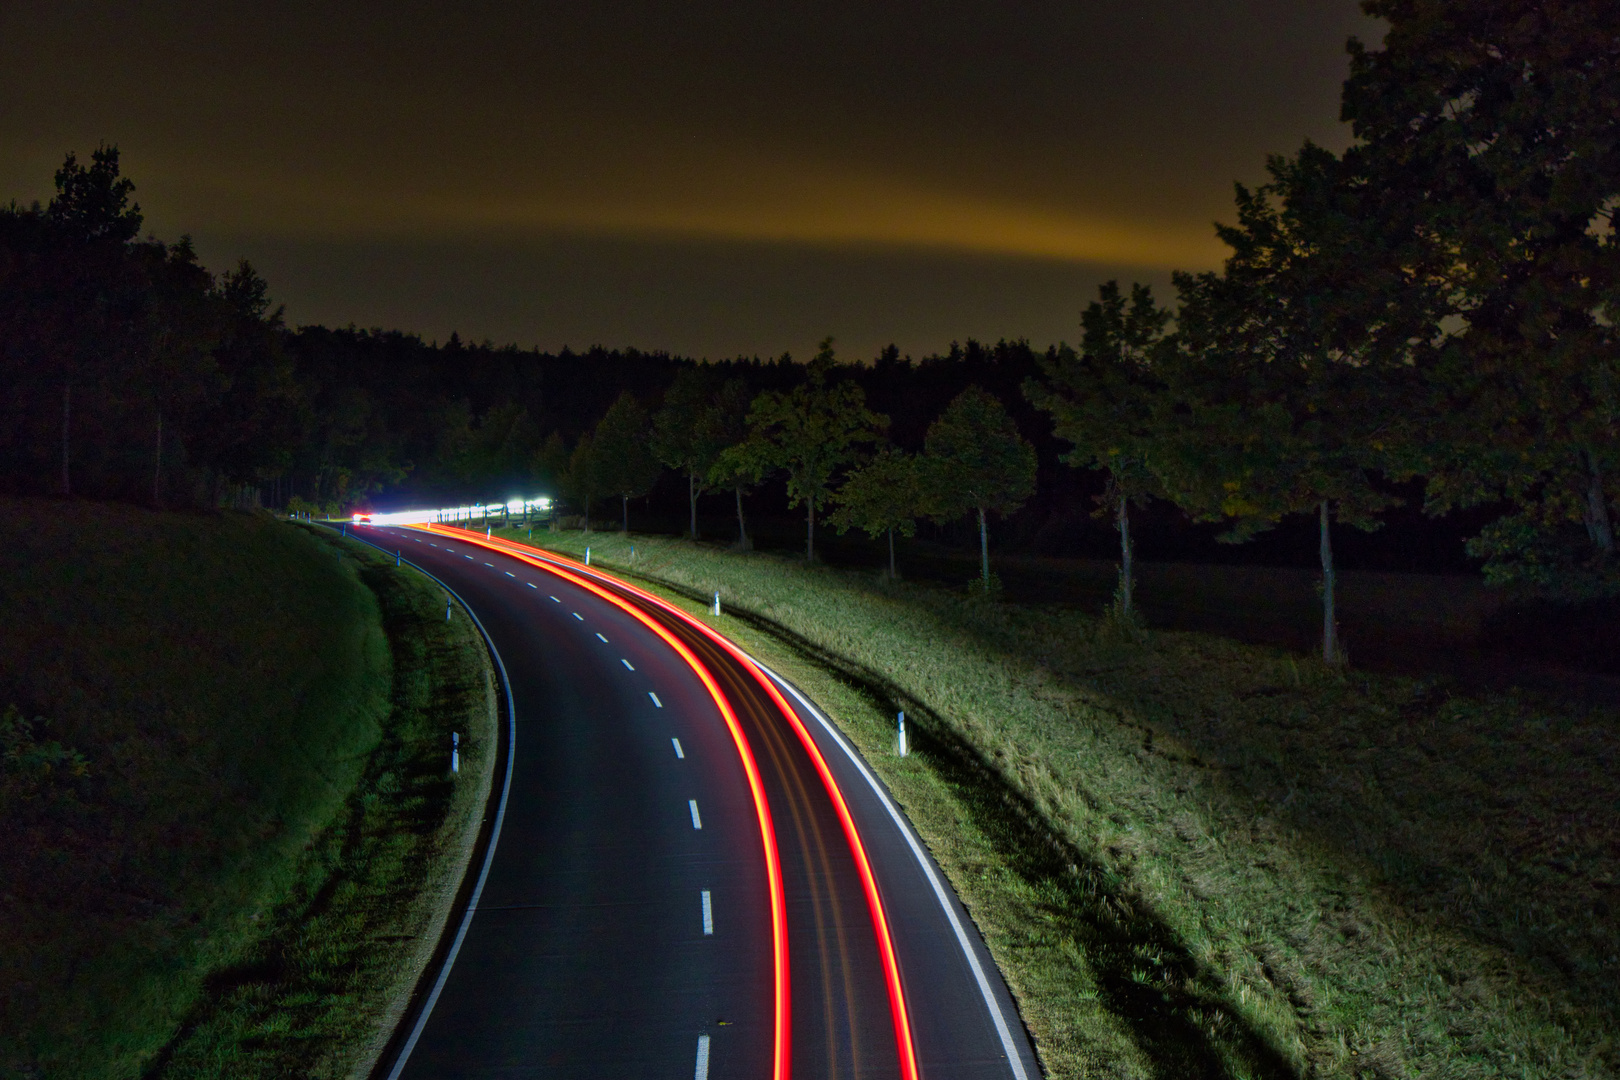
883,496
1491,130
1108,400
626,464
1284,405
975,461
812,432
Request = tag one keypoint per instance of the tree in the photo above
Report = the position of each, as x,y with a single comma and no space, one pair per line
1285,402
1487,127
93,204
700,418
1108,401
548,465
583,480
975,460
185,324
882,496
812,432
626,465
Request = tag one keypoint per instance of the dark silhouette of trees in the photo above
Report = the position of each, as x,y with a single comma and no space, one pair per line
700,417
1487,134
625,464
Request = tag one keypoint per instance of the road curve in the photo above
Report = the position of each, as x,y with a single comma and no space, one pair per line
695,871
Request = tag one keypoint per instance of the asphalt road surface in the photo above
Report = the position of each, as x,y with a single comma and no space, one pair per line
693,873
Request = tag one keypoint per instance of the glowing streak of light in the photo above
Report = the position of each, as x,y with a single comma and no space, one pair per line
781,1050
880,924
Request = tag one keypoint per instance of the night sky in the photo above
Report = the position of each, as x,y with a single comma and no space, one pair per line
712,179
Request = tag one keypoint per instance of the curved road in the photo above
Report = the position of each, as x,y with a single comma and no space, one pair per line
692,873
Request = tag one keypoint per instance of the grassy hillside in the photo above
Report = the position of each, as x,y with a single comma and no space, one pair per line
196,699
1195,857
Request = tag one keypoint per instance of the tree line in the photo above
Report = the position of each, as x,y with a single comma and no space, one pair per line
1431,311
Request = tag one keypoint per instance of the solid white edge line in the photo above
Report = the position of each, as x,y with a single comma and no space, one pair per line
697,819
701,1072
1002,1029
489,853
708,915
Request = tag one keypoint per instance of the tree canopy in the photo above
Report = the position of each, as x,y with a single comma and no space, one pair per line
976,461
811,432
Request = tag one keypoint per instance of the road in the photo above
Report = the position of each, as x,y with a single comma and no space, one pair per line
691,871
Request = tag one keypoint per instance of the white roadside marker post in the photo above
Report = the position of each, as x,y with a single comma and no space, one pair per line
455,751
398,556
903,748
446,607
587,556
717,603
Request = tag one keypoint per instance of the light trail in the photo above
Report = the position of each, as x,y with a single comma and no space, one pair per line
781,1050
582,575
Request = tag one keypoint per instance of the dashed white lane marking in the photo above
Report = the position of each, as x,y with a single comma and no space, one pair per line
702,1070
654,696
708,915
554,600
623,661
429,545
490,565
578,616
510,574
531,584
469,558
697,819
599,634
678,751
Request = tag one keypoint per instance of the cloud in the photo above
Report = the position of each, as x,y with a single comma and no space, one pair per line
727,197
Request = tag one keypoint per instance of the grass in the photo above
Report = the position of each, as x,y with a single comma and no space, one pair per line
320,992
1196,857
226,682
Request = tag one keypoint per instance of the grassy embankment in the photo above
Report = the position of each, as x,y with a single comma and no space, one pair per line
243,866
1196,857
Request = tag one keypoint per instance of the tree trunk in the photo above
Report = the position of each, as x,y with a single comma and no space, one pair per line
742,530
1126,581
587,514
1598,526
691,494
810,531
984,550
891,555
1330,624
67,415
157,464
